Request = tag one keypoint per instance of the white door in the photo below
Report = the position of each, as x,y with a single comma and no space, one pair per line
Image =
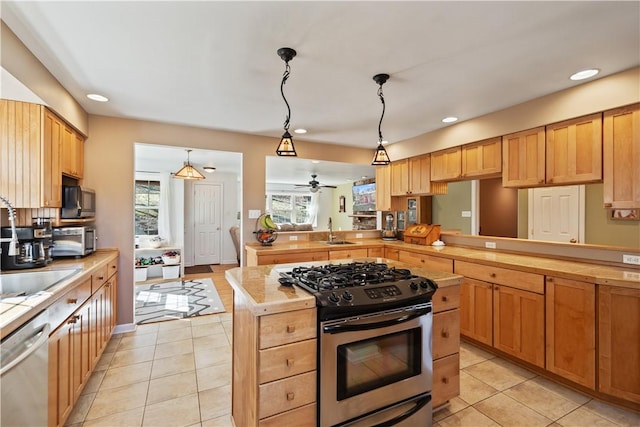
207,218
556,214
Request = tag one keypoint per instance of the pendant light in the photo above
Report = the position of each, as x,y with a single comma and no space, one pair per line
188,171
286,148
380,158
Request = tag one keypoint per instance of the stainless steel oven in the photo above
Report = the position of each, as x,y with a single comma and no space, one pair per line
377,369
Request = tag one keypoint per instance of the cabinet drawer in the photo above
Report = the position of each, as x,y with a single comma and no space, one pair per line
304,416
375,252
347,253
446,298
285,328
446,333
293,257
446,379
112,267
289,393
426,261
392,253
287,360
70,302
99,277
502,276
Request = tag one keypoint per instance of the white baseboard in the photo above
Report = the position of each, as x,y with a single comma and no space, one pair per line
127,327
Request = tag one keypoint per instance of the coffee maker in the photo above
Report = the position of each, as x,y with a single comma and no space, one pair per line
31,248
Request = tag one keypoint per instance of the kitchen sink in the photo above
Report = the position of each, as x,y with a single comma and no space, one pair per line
31,282
340,242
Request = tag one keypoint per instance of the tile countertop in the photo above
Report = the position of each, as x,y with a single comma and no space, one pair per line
14,312
260,286
576,270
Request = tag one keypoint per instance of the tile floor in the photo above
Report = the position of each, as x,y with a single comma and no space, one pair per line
178,373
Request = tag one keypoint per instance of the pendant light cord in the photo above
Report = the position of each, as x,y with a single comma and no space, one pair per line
383,108
285,76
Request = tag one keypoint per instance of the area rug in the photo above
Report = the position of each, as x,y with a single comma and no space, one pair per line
176,300
198,269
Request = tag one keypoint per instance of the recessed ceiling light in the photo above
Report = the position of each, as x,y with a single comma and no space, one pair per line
96,97
585,74
300,130
385,142
449,119
209,169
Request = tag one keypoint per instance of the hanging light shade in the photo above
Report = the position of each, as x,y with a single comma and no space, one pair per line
286,148
188,171
380,158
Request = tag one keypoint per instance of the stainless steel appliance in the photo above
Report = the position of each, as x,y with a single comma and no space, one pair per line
78,202
374,351
31,248
389,231
24,367
46,232
73,241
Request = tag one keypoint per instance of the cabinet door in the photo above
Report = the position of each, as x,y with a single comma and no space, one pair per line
482,159
420,174
72,153
96,334
60,374
383,188
621,133
400,177
82,362
392,253
571,330
523,158
476,310
574,151
518,323
446,165
446,379
619,342
51,177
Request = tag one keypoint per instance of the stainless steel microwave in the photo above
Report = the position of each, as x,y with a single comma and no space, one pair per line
73,241
78,202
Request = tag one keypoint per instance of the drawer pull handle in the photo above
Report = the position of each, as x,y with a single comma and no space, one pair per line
290,362
73,319
100,277
549,279
291,396
493,274
113,266
445,298
291,329
445,380
72,300
445,334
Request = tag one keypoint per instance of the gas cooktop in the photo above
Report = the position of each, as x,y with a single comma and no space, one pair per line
360,287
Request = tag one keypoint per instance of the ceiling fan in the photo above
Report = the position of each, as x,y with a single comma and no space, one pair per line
314,185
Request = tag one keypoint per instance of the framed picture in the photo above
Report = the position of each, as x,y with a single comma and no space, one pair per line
626,214
343,204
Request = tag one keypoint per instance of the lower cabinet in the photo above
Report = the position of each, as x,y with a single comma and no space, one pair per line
446,345
476,310
426,261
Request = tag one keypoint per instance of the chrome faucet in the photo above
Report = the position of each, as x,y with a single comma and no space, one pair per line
331,235
13,241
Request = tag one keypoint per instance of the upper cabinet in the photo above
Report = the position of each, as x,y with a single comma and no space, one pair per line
574,151
621,137
72,153
523,158
412,176
482,159
446,165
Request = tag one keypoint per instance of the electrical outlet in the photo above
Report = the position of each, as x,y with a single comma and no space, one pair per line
293,237
466,214
629,275
358,235
490,245
631,259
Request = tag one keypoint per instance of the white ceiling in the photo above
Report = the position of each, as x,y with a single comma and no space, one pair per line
213,64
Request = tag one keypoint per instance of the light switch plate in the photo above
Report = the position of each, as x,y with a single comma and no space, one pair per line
358,235
254,213
293,237
466,214
631,259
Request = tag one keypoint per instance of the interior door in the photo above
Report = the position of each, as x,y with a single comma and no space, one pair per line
557,214
207,217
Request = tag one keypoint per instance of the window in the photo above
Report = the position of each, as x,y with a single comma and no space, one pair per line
147,207
289,208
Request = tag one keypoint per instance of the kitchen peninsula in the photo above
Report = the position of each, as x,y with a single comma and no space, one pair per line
275,341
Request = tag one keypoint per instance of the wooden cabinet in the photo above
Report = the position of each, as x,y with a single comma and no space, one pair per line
265,259
619,342
61,398
574,151
523,158
482,159
621,161
400,177
383,188
446,165
427,261
348,253
412,176
392,253
571,330
375,252
446,345
72,153
476,310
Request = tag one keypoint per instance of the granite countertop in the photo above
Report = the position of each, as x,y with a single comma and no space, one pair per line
265,295
576,270
14,312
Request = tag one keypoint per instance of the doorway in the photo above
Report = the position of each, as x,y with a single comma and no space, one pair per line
498,209
206,221
557,214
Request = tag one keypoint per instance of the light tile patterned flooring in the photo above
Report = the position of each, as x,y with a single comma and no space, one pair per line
178,373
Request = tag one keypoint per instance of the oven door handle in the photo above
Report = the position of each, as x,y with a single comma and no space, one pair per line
336,329
418,406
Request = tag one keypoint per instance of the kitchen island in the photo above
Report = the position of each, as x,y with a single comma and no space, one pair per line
275,343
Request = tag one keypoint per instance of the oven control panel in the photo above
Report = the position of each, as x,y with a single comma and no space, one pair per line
383,292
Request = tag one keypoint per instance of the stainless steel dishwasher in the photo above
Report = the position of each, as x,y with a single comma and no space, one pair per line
24,367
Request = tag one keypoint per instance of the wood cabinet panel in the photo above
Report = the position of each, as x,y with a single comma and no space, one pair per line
304,416
619,342
446,379
400,177
293,257
518,324
285,328
621,157
51,176
574,151
446,298
375,252
482,159
383,188
476,310
72,153
502,276
420,174
60,310
426,261
523,158
60,374
392,253
286,394
287,360
446,165
82,362
571,330
446,334
348,253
